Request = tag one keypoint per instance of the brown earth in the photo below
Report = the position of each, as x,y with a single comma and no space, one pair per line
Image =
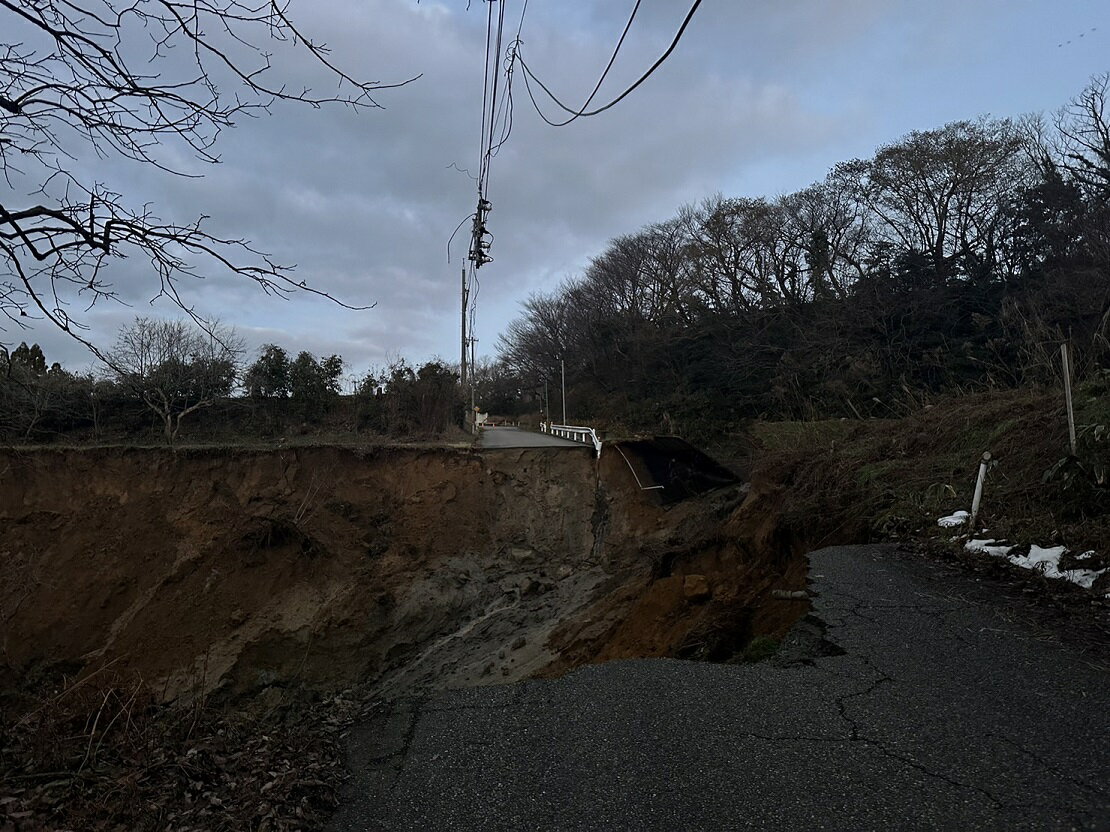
258,576
243,572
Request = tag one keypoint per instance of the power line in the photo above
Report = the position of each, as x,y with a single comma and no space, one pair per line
510,59
485,95
451,239
505,112
492,110
529,74
490,83
520,25
495,70
600,81
499,111
495,111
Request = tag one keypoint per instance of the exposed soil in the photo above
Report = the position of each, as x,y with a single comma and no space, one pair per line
233,573
143,592
270,580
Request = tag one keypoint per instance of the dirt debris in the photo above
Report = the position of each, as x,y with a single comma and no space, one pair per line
102,754
250,604
324,568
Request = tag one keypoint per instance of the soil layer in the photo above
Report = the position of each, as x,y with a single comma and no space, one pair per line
241,572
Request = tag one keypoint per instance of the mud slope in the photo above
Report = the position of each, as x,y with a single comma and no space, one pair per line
397,568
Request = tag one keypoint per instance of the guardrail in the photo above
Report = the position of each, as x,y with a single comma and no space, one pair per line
499,423
576,433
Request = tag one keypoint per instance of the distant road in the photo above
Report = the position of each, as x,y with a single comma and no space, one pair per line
911,699
517,438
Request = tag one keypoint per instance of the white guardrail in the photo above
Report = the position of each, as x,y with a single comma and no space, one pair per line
587,436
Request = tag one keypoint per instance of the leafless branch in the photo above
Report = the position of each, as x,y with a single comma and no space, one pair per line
75,77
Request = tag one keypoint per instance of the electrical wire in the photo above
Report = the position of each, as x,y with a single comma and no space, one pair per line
451,239
612,59
510,65
505,110
529,74
485,97
492,69
497,124
496,127
505,113
496,120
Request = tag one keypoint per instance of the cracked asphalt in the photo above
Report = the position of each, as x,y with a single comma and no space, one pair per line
908,699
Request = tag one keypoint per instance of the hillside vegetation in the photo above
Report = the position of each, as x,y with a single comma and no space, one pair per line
954,260
893,478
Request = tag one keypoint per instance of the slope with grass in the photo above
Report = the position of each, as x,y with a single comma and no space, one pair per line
892,479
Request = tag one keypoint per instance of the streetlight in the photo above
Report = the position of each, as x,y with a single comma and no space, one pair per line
563,369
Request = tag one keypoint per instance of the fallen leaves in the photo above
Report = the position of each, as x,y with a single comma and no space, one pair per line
172,768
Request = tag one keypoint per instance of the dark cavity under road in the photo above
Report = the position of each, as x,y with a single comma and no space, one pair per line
909,699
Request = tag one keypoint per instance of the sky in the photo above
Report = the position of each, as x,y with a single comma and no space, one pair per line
759,99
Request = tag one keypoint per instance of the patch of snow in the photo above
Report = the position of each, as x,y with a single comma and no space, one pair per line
956,518
1046,561
990,547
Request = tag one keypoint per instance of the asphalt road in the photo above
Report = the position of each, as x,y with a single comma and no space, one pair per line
909,700
517,438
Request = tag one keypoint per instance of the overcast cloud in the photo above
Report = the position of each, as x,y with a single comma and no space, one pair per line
760,98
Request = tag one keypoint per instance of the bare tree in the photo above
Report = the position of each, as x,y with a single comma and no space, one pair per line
940,192
833,230
143,80
533,344
1084,137
175,368
724,252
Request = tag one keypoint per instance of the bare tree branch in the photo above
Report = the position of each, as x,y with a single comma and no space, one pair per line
76,76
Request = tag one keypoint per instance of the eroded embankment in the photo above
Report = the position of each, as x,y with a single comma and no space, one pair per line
395,567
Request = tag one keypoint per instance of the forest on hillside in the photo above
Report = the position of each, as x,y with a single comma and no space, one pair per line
166,381
954,259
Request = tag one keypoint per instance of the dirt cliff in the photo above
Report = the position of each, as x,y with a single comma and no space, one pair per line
238,571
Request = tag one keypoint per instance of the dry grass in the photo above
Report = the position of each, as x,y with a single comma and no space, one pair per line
896,477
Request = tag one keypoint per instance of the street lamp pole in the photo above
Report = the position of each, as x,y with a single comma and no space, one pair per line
563,369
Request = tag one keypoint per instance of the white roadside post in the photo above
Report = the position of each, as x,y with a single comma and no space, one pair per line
1066,361
983,464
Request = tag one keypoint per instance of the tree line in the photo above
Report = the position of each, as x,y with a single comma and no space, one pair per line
162,376
955,258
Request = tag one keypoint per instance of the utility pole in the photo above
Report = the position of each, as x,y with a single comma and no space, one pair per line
462,361
479,256
473,409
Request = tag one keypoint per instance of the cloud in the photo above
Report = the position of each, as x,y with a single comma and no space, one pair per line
757,98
